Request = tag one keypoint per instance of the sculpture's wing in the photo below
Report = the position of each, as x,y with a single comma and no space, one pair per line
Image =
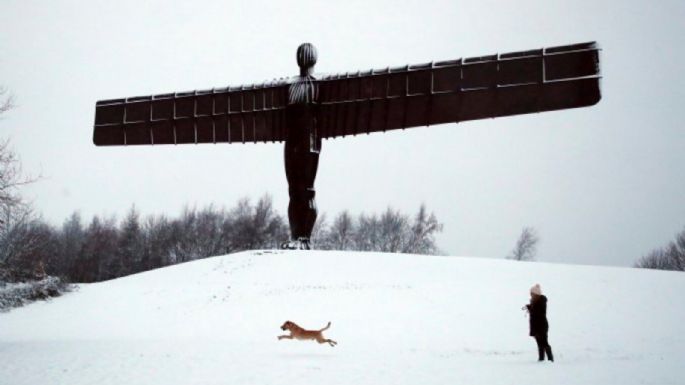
465,89
253,113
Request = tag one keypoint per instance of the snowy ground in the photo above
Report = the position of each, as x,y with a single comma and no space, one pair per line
398,319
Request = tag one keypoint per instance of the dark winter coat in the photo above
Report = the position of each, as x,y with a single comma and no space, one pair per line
538,316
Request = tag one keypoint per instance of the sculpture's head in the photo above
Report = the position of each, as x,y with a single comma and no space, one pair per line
306,58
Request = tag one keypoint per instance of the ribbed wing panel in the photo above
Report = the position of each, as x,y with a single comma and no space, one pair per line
465,89
234,114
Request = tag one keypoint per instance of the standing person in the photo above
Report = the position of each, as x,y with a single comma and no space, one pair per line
537,308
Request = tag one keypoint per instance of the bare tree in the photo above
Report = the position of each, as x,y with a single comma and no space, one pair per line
367,233
676,252
208,234
320,233
6,100
71,238
671,257
526,246
17,238
10,169
341,233
99,251
256,227
130,245
421,238
394,227
11,179
157,241
656,259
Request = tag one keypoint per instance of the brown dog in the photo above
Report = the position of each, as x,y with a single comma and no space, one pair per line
298,333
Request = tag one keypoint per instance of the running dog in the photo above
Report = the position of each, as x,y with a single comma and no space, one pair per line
298,333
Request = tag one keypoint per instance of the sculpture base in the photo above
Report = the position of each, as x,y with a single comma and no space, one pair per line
299,244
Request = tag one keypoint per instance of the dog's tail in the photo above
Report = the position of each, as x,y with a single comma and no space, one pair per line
327,326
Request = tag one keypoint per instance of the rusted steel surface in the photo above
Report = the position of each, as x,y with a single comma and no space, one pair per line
458,90
362,102
254,113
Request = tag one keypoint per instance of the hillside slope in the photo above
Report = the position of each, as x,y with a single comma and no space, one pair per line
401,319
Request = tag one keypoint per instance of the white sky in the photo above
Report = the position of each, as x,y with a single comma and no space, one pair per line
603,185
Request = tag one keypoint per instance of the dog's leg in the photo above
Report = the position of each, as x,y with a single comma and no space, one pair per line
322,340
290,337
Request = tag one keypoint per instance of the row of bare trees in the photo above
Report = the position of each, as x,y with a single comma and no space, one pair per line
391,231
105,248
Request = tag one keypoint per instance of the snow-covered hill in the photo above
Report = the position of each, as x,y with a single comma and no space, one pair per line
398,319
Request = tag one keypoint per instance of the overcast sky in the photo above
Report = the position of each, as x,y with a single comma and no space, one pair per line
602,185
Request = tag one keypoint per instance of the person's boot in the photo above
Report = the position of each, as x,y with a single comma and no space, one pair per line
541,353
549,353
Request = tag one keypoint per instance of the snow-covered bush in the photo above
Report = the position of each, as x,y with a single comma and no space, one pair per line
15,294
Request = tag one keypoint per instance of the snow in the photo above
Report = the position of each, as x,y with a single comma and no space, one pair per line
400,319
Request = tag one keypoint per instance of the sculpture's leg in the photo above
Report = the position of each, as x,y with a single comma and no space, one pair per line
300,169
